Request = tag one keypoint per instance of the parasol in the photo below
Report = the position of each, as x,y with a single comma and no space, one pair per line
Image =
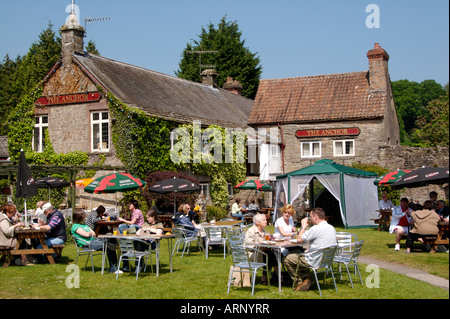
422,177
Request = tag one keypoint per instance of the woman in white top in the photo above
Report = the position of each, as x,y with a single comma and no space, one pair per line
285,225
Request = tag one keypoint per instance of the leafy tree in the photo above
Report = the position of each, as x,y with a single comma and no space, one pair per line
8,97
233,58
433,130
411,99
92,48
21,76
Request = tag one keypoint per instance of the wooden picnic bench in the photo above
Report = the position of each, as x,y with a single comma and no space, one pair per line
23,234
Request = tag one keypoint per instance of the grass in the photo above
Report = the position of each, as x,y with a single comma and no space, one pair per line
195,277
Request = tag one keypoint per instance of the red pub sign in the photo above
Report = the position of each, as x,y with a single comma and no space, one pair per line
68,99
328,132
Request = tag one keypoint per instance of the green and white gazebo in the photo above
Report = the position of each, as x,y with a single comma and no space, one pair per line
354,189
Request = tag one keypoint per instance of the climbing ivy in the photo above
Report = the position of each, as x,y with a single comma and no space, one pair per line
142,143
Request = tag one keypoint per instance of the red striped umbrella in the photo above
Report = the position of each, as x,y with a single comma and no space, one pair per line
390,177
115,182
253,184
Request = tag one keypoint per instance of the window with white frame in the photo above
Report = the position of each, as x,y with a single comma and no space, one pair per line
344,148
204,189
311,149
40,127
100,131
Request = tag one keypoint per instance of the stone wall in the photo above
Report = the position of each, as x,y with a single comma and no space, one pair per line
405,157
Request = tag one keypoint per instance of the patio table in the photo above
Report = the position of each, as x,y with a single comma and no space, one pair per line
276,246
157,239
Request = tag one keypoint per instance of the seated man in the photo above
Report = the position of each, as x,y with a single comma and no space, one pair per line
94,217
442,210
320,235
401,216
424,223
55,225
385,203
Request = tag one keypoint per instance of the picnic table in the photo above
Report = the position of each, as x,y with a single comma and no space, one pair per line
438,240
29,233
111,224
384,219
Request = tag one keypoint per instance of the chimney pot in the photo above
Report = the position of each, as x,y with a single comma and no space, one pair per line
209,77
378,69
233,86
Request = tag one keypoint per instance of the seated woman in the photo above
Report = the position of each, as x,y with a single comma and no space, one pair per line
85,237
137,218
7,230
256,234
182,218
285,225
151,227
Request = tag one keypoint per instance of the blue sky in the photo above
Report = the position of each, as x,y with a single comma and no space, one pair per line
292,37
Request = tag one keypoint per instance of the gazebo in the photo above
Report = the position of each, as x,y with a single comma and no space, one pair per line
354,189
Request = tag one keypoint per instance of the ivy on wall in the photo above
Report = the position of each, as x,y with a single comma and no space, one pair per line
20,134
142,143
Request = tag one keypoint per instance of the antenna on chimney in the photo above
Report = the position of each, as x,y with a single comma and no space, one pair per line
91,20
201,66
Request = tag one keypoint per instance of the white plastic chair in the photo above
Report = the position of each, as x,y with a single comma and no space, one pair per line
350,260
242,264
325,266
128,252
86,250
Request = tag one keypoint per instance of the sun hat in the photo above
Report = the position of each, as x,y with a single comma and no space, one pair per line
46,206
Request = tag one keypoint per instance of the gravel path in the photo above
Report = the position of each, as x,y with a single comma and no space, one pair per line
407,271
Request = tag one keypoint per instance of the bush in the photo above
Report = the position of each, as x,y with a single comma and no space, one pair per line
215,212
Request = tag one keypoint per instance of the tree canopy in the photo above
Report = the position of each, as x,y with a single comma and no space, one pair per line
232,59
411,99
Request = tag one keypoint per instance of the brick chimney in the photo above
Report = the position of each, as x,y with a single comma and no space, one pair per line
72,35
378,69
209,77
233,86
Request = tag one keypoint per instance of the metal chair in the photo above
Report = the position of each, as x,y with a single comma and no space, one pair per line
182,238
242,264
86,250
129,252
344,239
326,264
351,260
236,240
215,236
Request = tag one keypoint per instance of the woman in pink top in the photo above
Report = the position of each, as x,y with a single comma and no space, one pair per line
137,218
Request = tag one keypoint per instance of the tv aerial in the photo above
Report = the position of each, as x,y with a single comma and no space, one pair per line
92,20
199,52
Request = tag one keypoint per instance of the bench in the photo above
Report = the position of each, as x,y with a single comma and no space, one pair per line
9,252
6,254
433,241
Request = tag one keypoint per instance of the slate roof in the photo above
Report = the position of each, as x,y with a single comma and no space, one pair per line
332,97
166,96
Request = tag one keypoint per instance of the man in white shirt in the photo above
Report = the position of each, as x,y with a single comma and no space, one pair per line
385,203
320,235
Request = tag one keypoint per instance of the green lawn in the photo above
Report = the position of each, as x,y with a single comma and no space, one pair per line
195,277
